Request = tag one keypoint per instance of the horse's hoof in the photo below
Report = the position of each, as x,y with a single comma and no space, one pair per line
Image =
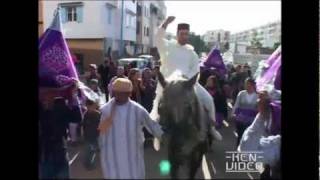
156,144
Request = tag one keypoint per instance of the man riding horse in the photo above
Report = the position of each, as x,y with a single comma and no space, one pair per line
178,55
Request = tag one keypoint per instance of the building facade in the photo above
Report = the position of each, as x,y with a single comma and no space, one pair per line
150,14
158,13
268,35
143,27
216,38
94,28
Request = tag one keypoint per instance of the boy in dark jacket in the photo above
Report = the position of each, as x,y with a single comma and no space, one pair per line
90,129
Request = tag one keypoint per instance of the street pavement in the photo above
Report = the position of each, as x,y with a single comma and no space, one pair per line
213,164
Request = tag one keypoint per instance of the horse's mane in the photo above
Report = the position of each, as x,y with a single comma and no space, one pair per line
177,75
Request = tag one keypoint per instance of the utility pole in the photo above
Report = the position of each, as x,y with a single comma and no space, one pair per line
121,38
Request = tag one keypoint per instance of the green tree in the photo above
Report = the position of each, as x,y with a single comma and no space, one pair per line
198,44
255,42
276,45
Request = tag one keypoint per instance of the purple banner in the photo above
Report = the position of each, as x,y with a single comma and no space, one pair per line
273,56
56,67
215,60
277,81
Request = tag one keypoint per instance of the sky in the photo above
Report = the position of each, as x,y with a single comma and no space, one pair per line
234,16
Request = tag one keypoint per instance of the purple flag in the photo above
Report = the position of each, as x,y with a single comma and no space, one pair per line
276,117
215,60
56,67
273,57
271,75
277,81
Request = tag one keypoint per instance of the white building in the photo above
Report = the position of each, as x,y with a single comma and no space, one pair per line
149,16
158,12
267,35
92,27
143,27
216,37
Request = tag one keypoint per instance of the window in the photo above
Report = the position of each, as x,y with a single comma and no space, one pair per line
145,11
127,20
109,9
147,31
71,13
144,31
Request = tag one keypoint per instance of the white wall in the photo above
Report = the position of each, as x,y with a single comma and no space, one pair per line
129,33
95,20
242,49
146,22
92,25
110,30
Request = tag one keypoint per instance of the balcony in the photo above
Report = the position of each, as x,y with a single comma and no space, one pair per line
112,3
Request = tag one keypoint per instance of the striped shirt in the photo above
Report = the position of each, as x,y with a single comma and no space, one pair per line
122,150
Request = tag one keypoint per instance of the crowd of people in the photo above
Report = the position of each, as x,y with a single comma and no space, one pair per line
254,116
134,93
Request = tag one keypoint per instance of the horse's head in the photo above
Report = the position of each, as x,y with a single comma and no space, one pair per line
178,106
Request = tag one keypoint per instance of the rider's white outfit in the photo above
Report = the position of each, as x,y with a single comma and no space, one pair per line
183,58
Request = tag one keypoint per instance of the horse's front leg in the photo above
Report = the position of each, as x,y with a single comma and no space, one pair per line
174,170
173,159
196,160
194,165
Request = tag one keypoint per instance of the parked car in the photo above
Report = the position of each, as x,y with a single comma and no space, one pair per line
149,58
139,63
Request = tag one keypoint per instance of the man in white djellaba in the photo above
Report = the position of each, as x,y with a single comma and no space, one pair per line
121,134
178,55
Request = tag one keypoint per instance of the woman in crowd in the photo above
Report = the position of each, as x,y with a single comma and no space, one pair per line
264,135
236,82
148,93
220,101
148,89
76,113
245,108
134,77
